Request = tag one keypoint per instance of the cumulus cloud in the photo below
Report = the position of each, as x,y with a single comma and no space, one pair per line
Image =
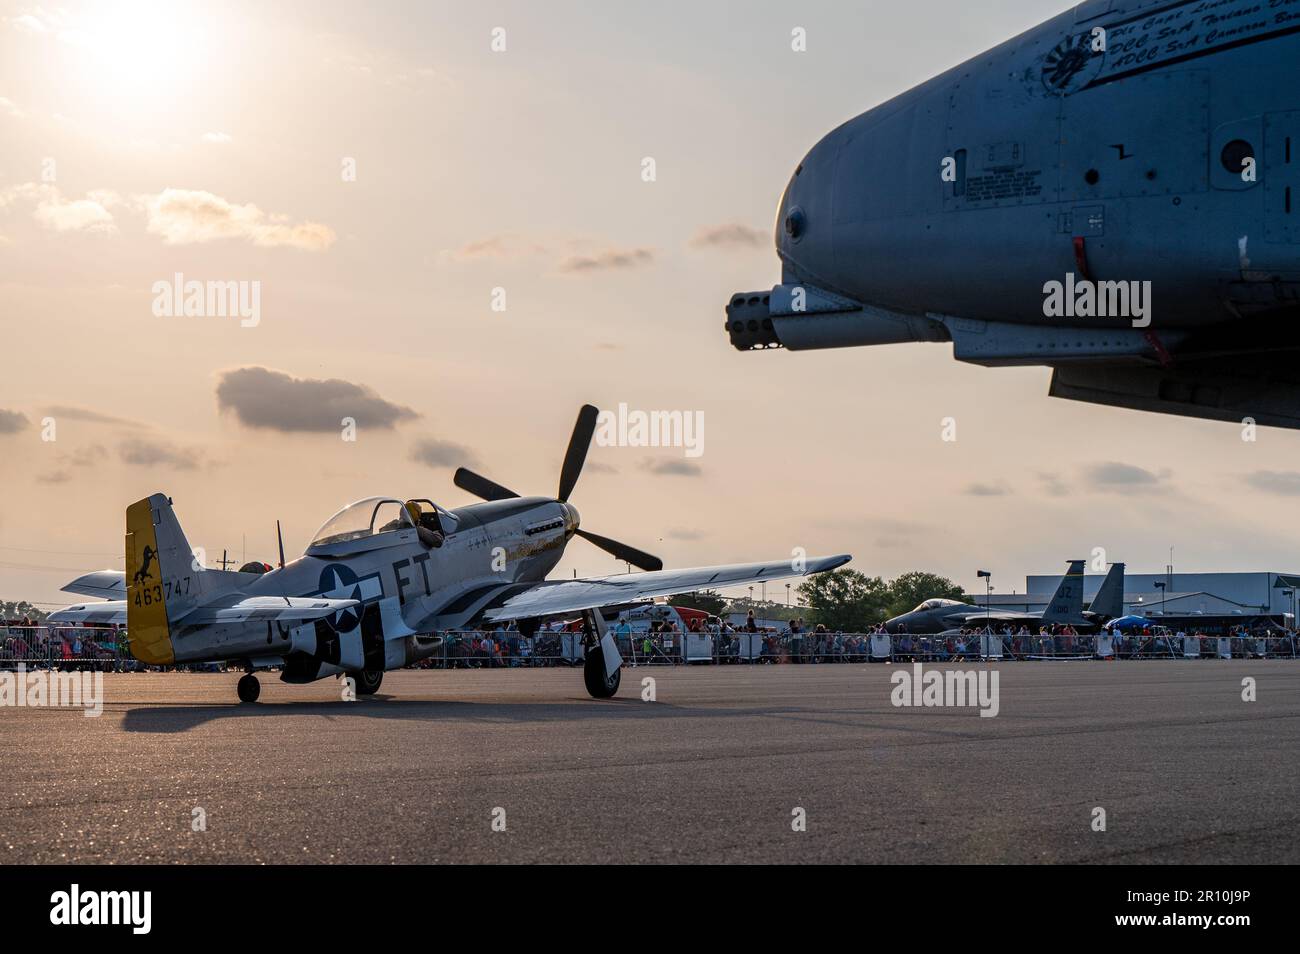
1284,482
673,467
436,453
607,259
265,398
28,23
730,235
147,452
10,108
217,138
56,213
190,216
1113,475
11,422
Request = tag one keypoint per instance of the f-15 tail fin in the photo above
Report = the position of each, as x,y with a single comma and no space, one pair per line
1109,601
1066,605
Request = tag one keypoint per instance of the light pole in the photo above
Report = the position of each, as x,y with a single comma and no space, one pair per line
1160,585
787,596
987,577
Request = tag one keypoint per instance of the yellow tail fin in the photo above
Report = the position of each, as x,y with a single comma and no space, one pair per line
148,632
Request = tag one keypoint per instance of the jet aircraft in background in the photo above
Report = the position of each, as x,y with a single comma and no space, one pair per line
1065,607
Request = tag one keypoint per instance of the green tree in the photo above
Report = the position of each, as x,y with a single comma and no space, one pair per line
906,592
845,599
19,609
707,601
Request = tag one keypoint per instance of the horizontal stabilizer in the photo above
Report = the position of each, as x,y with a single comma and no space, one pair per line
106,584
112,613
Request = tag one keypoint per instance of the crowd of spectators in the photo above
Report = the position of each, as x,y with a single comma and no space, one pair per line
713,639
38,646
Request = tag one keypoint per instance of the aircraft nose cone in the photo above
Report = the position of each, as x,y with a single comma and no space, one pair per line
803,222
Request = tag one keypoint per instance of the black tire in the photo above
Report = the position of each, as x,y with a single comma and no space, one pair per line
368,681
249,688
593,674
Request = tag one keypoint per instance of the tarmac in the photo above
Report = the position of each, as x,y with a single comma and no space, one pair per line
728,764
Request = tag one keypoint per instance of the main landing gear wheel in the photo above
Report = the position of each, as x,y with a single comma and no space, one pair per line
593,674
249,688
368,681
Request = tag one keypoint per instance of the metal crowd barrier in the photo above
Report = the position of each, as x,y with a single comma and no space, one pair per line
82,647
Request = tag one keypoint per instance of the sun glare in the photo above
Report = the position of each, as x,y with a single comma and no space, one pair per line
140,55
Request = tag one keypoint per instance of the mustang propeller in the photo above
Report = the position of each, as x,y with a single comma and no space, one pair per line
574,458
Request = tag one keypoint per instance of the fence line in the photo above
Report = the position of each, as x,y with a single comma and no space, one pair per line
68,647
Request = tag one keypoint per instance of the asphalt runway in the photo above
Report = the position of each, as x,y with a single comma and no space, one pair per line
710,772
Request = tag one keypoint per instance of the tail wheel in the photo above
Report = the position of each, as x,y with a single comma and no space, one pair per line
249,688
593,674
368,681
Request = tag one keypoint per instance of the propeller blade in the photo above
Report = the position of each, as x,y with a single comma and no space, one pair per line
638,558
576,455
480,486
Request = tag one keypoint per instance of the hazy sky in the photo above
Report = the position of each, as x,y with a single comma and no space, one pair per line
145,140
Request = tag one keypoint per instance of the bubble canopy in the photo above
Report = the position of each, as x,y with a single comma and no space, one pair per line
936,603
362,519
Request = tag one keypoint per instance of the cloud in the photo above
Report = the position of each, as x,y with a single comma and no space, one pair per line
1112,475
506,246
10,108
30,24
11,422
54,477
684,533
58,214
190,216
610,258
85,414
146,452
1284,482
987,490
731,235
217,138
1053,486
436,453
673,467
262,397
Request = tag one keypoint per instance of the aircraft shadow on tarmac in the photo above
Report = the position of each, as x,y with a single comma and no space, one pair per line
182,718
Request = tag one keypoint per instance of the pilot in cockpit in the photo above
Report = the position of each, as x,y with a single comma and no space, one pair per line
427,525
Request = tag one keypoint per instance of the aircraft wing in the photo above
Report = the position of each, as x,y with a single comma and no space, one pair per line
112,613
243,609
106,584
1000,616
231,609
571,596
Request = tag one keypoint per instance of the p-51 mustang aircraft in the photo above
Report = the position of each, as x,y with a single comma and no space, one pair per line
381,579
